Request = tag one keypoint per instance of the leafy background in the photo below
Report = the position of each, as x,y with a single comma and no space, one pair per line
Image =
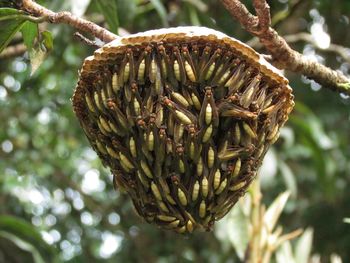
57,201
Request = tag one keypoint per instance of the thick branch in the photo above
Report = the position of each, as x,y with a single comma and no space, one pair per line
283,56
67,18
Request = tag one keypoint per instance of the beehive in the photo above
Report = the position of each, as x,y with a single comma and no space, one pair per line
183,118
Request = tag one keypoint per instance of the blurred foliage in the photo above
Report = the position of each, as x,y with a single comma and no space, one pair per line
51,179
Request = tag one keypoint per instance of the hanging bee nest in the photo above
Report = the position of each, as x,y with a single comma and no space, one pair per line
183,118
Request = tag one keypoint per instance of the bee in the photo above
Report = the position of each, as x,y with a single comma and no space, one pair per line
143,180
89,103
119,116
210,157
182,115
237,79
98,101
237,169
196,102
205,187
150,141
115,84
124,160
177,97
249,94
223,72
202,209
217,179
206,115
195,191
112,153
207,65
227,109
178,132
145,168
156,191
207,133
189,226
179,66
166,218
100,147
237,186
250,132
182,197
199,168
221,187
104,124
160,144
189,65
167,66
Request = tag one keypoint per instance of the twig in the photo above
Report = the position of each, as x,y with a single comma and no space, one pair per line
86,40
340,50
67,18
284,57
13,51
306,37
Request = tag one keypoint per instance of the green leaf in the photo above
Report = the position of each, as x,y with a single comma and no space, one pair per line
110,12
274,211
158,5
37,57
303,247
289,177
29,33
26,246
285,253
347,220
9,11
235,228
47,40
23,233
39,53
9,27
126,12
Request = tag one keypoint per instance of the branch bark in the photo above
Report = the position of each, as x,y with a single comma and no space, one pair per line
283,56
67,18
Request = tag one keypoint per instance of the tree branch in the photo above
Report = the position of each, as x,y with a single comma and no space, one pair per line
67,18
283,56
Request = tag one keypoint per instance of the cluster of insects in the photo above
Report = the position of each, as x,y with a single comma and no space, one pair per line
183,126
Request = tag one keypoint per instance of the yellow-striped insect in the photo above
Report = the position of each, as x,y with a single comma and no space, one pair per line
166,218
205,187
200,167
89,103
146,169
202,209
182,197
156,191
221,187
207,133
211,157
125,161
217,179
190,72
112,153
195,191
196,101
208,115
237,168
189,226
